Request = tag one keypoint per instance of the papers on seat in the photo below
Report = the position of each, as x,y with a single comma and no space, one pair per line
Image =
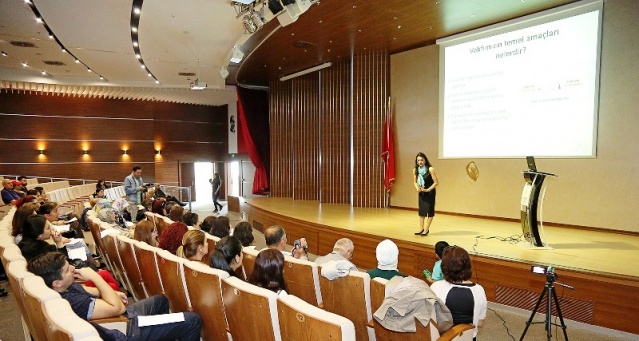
61,228
72,220
107,232
152,320
76,249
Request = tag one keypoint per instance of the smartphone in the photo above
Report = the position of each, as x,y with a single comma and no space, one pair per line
427,273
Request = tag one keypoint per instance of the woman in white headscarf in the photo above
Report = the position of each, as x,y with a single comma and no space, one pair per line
387,255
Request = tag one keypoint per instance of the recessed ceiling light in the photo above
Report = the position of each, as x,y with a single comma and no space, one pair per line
89,70
44,73
137,55
39,20
77,61
148,74
4,54
50,36
101,77
24,64
157,81
64,50
135,43
136,10
143,66
134,29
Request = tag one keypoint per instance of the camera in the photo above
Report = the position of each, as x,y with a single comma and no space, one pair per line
298,244
551,276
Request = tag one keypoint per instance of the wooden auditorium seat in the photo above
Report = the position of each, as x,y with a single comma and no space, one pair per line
116,262
302,280
63,324
302,321
212,241
11,253
204,285
239,299
145,254
16,273
349,296
130,266
248,260
171,269
36,293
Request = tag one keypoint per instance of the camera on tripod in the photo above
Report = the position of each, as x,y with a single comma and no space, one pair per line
551,276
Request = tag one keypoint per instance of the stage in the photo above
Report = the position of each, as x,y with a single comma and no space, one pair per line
602,266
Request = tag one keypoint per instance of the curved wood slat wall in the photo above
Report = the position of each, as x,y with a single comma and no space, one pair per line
322,133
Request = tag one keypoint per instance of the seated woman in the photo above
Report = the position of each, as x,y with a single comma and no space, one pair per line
227,255
99,194
207,224
194,246
36,231
192,220
21,215
145,231
171,237
244,232
268,271
159,207
221,227
465,299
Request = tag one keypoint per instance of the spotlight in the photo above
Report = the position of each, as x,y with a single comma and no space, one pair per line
157,152
249,25
41,151
86,152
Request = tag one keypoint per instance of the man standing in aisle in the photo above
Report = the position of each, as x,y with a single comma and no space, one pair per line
134,186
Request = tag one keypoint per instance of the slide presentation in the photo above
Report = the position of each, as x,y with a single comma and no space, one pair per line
530,91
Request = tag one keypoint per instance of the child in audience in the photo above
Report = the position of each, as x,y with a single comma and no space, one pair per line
437,274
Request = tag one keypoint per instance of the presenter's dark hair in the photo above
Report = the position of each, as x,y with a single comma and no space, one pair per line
136,167
427,163
456,264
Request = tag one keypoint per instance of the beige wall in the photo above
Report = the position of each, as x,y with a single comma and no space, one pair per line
602,192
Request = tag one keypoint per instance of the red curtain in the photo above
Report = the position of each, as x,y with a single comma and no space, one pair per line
388,151
260,181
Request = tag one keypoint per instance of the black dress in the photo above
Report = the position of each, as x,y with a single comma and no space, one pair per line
426,200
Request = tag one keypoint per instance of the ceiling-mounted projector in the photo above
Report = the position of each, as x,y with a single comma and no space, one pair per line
197,85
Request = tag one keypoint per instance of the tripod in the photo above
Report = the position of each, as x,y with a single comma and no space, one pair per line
550,294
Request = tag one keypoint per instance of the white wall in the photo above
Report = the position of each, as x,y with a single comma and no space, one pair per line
602,192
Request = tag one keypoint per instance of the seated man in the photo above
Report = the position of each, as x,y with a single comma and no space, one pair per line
343,250
275,237
103,302
9,196
158,193
387,254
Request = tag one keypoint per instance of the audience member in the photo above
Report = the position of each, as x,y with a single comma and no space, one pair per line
23,184
191,220
104,302
17,187
268,271
159,207
465,299
100,185
145,231
244,232
342,250
134,186
221,227
171,238
9,196
275,238
19,217
194,246
26,199
227,255
158,193
176,213
207,224
387,255
169,206
437,274
99,194
35,232
51,211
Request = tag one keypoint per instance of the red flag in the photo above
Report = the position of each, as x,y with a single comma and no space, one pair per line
388,152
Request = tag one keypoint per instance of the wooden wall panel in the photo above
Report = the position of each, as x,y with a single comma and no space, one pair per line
281,139
306,137
335,126
371,79
64,126
332,132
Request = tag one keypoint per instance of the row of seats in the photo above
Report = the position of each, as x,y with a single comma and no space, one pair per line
51,186
194,286
114,192
234,309
45,315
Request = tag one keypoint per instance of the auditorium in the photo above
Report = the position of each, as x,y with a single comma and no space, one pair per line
313,114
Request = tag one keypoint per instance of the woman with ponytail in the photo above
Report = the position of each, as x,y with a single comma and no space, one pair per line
227,255
194,246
